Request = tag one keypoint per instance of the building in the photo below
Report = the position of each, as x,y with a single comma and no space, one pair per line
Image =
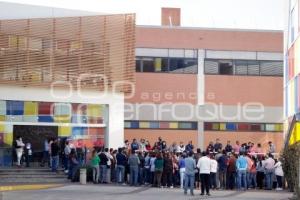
291,73
202,84
63,76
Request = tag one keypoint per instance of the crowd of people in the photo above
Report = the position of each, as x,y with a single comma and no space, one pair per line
239,166
231,167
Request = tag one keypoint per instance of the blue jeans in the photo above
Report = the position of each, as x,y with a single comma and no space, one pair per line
66,162
269,179
147,175
120,173
141,175
189,180
55,162
241,179
103,172
252,180
134,172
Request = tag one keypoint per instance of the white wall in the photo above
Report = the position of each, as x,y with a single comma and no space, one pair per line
115,126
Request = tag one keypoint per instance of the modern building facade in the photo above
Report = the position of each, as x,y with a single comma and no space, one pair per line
292,70
65,77
202,84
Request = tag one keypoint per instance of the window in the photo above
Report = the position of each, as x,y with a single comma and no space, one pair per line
271,68
138,65
225,67
253,67
173,65
293,21
211,67
241,67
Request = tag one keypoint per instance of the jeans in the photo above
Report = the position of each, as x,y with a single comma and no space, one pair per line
182,173
96,171
222,178
66,162
230,180
252,180
213,180
120,173
260,179
55,163
103,173
205,183
134,171
279,181
141,175
45,159
167,178
147,175
241,179
269,179
157,178
189,182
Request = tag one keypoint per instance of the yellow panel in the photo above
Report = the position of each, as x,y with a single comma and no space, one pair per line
2,128
30,108
2,118
278,127
22,42
75,45
295,136
94,110
222,126
173,125
144,124
64,131
157,64
8,138
215,126
62,119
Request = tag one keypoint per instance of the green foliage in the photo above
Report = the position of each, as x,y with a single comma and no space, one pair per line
290,161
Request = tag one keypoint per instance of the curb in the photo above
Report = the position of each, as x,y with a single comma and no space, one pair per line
28,187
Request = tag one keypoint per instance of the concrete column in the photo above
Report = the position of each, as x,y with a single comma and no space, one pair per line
200,95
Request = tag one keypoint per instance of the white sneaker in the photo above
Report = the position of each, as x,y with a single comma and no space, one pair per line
172,187
278,189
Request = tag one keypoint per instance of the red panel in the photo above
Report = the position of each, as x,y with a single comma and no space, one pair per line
207,126
291,62
164,125
79,109
243,127
96,131
95,120
45,108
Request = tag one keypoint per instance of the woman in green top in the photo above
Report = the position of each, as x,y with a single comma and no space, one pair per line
159,166
95,164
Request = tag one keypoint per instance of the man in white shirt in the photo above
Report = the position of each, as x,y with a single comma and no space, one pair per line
204,165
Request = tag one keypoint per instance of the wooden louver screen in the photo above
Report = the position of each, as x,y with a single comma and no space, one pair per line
39,52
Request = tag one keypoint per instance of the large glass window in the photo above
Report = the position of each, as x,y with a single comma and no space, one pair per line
172,65
243,67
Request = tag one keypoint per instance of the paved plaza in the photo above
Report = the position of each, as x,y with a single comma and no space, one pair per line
96,192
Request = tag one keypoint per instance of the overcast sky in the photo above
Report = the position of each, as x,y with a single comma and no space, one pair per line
247,14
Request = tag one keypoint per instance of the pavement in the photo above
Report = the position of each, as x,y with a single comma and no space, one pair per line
109,192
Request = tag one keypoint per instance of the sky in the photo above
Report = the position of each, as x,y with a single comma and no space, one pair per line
244,14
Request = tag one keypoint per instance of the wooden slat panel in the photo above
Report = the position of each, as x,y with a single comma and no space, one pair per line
37,52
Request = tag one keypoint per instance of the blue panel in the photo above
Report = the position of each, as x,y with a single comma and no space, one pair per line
230,126
194,125
7,160
79,119
135,124
45,118
14,107
79,131
154,124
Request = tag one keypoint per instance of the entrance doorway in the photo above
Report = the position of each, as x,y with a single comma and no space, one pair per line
36,135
